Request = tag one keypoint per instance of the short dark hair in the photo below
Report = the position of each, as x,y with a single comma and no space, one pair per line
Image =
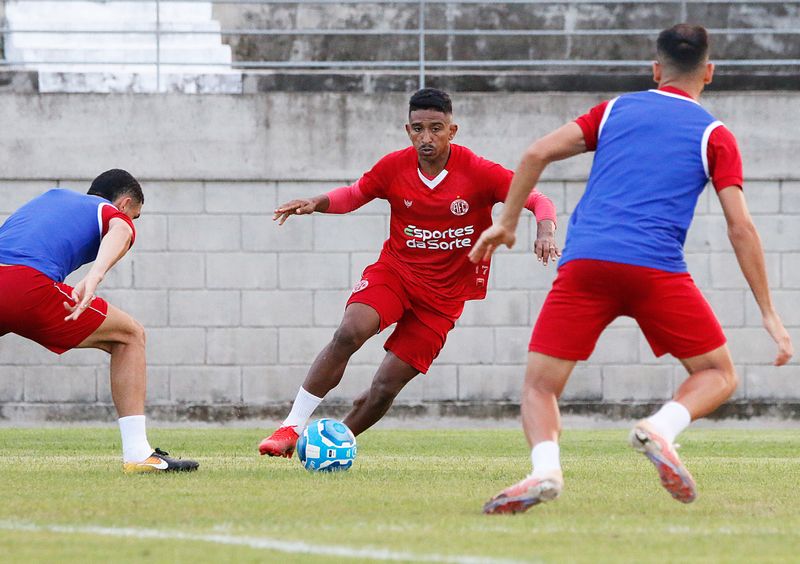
685,46
115,183
431,99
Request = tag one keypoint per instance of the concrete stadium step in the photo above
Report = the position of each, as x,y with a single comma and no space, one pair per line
189,34
87,46
115,26
81,10
134,38
145,38
117,53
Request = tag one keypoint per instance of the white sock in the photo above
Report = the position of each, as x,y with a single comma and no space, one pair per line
135,447
670,420
302,408
545,457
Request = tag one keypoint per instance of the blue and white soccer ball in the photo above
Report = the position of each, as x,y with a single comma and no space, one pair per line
327,445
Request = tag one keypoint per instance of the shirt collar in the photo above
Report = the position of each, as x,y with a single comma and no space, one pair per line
673,90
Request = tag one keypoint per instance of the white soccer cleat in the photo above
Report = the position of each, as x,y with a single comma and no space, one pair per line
531,491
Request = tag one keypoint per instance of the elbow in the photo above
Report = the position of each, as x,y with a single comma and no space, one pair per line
536,156
742,233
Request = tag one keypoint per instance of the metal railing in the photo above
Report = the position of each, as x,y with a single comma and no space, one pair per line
423,63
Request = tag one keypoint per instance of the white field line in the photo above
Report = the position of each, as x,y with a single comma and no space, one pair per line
381,554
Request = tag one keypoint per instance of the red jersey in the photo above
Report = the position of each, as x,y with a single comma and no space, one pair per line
435,222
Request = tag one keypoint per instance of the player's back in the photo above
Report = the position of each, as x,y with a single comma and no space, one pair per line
55,233
649,168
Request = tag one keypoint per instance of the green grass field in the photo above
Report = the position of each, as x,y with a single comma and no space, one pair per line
412,496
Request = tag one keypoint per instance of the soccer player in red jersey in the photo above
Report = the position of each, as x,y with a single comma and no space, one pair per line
43,242
441,197
655,151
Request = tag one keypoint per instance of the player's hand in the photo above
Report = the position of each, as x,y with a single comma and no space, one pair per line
82,296
488,242
295,207
545,245
775,327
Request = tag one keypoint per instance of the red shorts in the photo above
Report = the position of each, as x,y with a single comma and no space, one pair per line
422,323
32,306
587,295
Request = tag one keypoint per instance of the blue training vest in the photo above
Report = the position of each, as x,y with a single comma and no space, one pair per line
55,233
649,168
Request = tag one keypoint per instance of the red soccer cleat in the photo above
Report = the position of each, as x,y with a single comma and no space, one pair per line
531,491
281,442
674,476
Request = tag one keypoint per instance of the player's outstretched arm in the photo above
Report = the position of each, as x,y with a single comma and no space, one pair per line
113,247
750,254
302,207
566,141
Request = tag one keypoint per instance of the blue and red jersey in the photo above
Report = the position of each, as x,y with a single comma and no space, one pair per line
655,151
58,232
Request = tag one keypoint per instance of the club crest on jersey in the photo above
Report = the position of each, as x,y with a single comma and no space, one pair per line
408,203
459,207
361,285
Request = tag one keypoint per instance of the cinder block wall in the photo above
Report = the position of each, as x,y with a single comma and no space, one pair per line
236,308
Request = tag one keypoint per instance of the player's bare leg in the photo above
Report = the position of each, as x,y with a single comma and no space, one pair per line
368,408
712,380
360,322
545,378
124,339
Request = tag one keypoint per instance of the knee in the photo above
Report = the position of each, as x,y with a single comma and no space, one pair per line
544,386
349,338
730,380
383,392
361,400
135,334
546,375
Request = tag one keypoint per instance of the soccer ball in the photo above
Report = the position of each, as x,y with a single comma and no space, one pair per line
327,445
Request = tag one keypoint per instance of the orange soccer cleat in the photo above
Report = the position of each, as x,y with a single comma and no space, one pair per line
674,476
531,491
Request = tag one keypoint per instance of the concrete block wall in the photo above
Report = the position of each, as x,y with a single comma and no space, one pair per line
236,307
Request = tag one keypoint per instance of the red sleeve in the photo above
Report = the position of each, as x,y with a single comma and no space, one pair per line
724,159
109,212
494,175
590,125
347,198
374,184
541,206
